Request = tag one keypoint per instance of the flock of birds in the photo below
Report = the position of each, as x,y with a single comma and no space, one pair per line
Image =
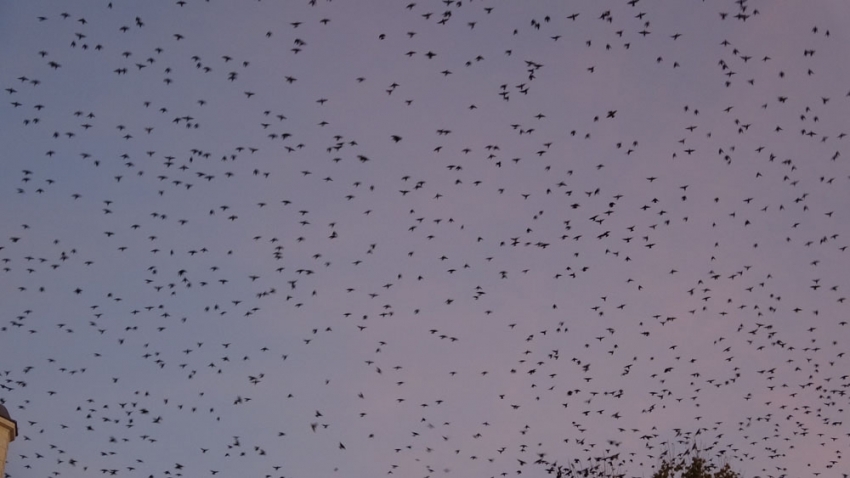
425,239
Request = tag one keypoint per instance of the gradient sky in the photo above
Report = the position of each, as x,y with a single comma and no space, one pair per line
359,238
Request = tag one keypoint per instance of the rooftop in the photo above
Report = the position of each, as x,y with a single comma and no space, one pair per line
5,414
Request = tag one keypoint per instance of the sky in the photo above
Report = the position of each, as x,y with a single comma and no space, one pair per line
428,239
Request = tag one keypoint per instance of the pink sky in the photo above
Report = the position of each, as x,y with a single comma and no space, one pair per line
582,239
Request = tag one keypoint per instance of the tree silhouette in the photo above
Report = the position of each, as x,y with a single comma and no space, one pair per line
690,464
698,467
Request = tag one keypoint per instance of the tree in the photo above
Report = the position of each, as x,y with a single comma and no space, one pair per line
684,465
698,467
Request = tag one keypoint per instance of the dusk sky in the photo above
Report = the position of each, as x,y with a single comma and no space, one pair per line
472,238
